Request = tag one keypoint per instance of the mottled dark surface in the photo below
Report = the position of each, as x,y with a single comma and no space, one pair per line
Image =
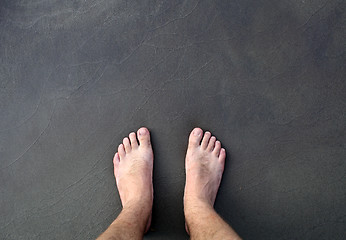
266,77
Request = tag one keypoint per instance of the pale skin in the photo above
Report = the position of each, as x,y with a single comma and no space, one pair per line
133,167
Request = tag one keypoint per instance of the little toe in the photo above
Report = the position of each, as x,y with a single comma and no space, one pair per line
127,145
121,151
217,148
144,137
211,143
116,161
195,137
205,140
222,156
133,140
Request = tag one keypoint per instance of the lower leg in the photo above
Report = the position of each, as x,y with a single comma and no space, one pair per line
130,224
204,167
204,223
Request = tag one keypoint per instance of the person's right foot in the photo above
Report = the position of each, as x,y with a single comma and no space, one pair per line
204,165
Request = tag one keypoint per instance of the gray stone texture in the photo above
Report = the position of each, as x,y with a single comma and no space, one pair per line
266,77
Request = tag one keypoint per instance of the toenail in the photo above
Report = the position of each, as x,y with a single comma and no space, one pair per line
197,132
142,131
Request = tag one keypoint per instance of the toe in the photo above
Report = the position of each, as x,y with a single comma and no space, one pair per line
133,140
121,151
205,140
222,156
217,148
195,137
211,143
127,145
116,161
144,137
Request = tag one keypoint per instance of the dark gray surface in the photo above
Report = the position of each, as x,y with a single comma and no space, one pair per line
266,77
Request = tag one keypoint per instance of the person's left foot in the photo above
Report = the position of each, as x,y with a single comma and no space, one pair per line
133,168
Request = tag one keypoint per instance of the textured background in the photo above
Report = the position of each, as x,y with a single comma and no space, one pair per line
266,77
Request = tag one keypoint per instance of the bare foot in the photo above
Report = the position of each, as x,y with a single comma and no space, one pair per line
133,168
204,165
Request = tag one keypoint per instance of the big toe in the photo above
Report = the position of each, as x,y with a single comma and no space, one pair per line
195,137
143,137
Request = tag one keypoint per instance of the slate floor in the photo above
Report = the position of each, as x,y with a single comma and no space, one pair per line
266,77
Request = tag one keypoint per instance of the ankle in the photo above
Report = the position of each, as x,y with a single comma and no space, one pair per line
143,202
140,208
133,216
193,206
195,200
